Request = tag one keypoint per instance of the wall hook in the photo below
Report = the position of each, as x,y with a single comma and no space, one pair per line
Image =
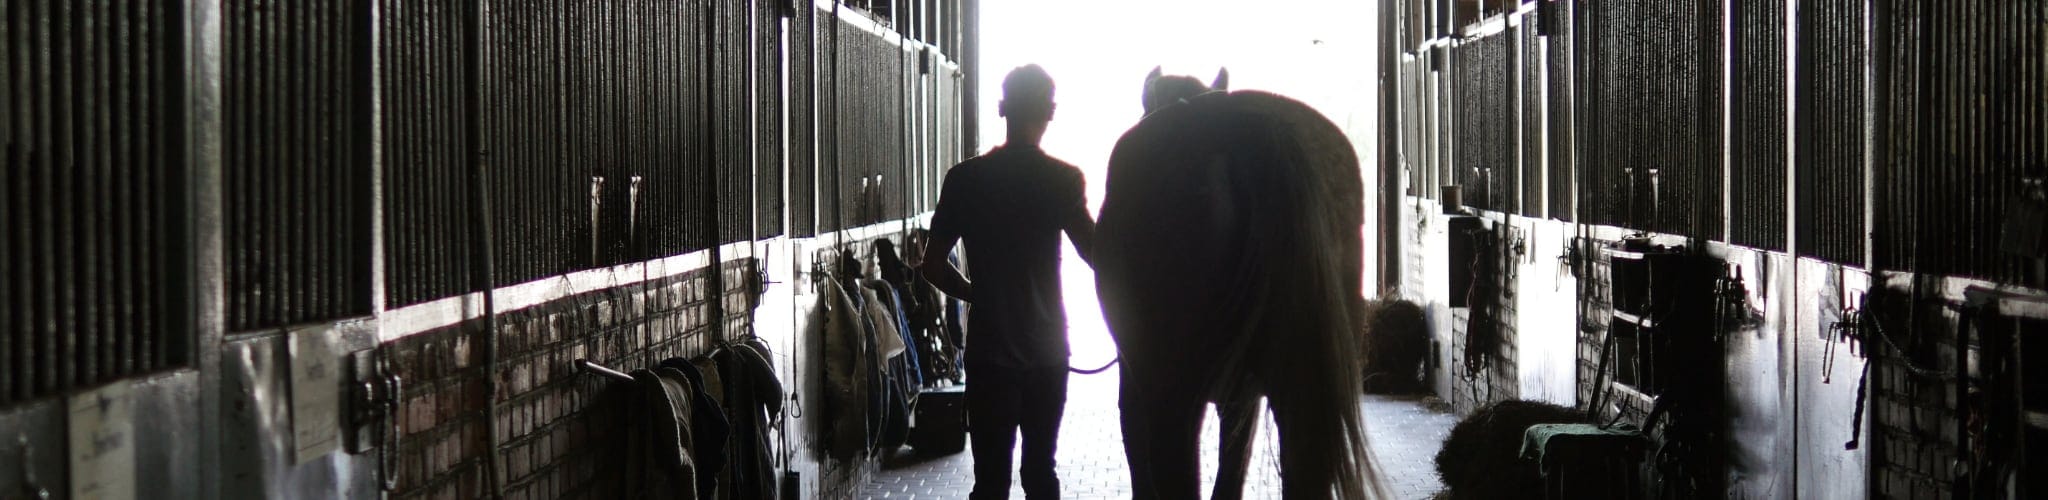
28,470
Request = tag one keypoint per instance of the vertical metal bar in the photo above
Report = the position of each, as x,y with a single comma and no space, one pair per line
453,155
390,75
187,316
121,135
234,175
274,163
408,172
93,168
388,68
270,111
542,260
13,110
34,241
417,176
61,281
124,194
424,92
306,242
149,285
285,114
335,239
247,90
101,167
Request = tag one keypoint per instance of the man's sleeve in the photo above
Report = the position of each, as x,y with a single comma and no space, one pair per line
946,218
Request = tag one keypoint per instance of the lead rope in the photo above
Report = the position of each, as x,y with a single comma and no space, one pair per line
1105,366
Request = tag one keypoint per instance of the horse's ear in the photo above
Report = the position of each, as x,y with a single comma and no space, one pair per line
1222,82
1145,95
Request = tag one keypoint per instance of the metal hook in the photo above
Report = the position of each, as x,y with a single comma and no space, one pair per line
28,470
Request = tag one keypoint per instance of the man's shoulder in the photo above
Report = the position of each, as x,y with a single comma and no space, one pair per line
1048,162
1034,160
993,159
1070,176
1062,165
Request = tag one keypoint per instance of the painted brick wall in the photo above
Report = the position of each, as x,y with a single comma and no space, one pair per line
550,423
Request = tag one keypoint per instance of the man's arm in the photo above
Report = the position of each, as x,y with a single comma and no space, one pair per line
1081,230
940,272
945,232
1079,225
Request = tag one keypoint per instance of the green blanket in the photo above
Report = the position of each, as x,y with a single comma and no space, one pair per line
1541,437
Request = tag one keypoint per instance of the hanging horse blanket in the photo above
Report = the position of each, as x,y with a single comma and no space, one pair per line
708,426
841,324
754,397
657,449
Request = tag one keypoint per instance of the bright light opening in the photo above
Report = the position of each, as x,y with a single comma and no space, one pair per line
1318,51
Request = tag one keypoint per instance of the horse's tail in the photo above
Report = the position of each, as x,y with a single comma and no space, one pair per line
1306,208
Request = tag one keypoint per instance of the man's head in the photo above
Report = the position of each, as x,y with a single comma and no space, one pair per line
1027,96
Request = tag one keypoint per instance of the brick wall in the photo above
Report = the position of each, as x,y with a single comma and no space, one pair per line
1425,271
1912,412
1596,316
551,427
1493,306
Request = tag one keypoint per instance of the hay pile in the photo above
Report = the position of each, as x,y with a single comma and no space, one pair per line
1396,339
1482,457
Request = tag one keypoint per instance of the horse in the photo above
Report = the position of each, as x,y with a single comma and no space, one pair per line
1228,263
1238,413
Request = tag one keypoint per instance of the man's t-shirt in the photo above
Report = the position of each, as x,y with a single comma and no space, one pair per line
1007,207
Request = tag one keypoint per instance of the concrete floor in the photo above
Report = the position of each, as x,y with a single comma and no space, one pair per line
1404,435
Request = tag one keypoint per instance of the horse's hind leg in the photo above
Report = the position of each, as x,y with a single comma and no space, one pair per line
1308,444
1162,435
1239,422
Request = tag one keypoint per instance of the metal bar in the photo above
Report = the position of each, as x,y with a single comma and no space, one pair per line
151,336
36,237
94,166
15,109
595,368
127,195
64,282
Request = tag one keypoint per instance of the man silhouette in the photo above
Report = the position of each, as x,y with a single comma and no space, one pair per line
1009,207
